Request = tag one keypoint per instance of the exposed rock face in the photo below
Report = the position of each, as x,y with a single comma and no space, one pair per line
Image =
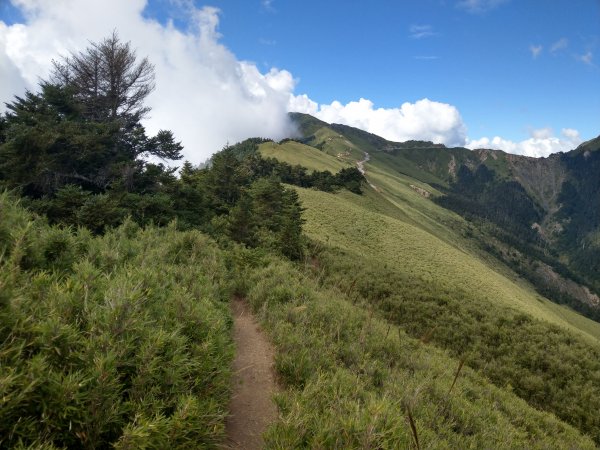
566,286
420,191
452,167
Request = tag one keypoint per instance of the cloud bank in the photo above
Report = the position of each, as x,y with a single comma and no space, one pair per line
423,120
207,96
204,94
541,143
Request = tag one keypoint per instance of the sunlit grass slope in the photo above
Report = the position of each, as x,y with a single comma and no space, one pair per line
431,287
413,262
340,222
411,217
353,380
295,153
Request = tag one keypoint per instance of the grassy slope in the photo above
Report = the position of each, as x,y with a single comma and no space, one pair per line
295,153
426,276
352,380
409,218
344,222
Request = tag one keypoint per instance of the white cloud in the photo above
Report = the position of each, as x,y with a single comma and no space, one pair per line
561,44
586,58
535,50
479,6
421,31
422,120
541,143
541,133
11,81
204,94
302,103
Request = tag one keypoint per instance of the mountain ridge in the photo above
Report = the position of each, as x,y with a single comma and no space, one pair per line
538,207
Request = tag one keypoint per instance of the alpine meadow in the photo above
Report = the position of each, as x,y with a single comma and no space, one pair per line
386,281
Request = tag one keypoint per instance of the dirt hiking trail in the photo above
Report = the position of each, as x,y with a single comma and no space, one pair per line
251,408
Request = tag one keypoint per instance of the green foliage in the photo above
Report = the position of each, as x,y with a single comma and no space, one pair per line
543,364
580,213
481,194
429,288
117,340
351,378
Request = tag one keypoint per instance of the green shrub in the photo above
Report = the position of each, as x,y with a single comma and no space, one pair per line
121,340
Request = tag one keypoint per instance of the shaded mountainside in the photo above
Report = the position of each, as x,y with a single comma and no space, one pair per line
540,216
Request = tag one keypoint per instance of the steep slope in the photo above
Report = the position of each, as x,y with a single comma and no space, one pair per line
441,278
539,216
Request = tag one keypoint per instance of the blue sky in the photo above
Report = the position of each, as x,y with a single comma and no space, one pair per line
515,69
478,59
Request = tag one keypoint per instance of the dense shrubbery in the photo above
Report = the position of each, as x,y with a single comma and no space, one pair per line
117,340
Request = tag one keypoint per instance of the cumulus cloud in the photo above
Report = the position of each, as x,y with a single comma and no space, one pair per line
535,50
204,94
541,133
541,143
422,120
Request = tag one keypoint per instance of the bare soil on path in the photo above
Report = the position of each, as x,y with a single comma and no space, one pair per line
251,408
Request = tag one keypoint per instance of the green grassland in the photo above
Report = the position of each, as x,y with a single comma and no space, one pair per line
428,287
295,153
417,253
354,380
337,145
412,262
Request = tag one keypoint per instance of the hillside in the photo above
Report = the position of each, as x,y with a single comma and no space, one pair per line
391,325
539,216
400,244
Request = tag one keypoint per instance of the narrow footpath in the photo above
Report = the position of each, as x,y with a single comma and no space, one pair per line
360,165
251,408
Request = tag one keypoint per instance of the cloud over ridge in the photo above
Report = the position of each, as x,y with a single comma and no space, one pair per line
422,120
206,95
